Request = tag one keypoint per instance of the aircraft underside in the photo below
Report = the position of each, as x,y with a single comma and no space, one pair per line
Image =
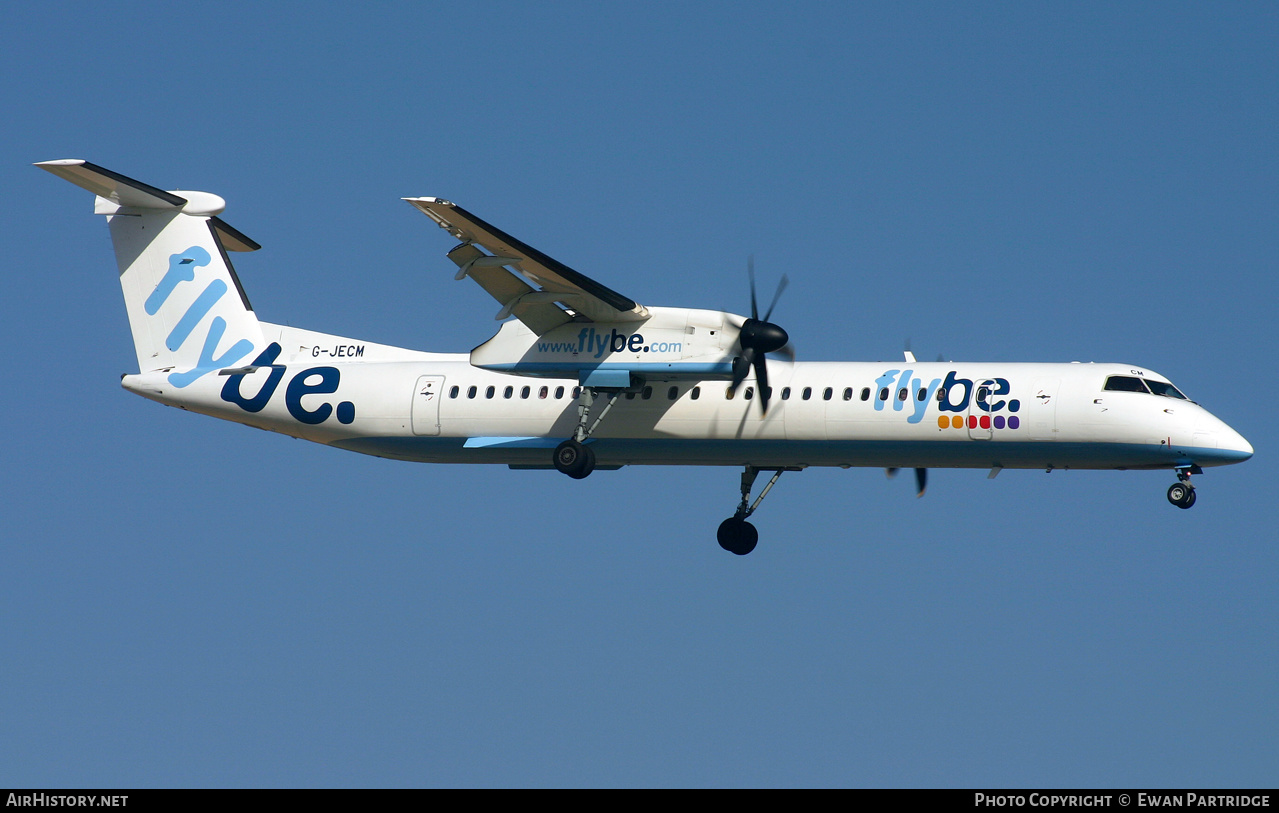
612,453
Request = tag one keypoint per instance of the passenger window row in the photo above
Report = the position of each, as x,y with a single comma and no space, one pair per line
673,393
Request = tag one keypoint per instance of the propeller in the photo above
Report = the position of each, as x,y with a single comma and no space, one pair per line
759,337
921,479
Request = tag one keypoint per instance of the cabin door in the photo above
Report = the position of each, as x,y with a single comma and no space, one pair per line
979,427
426,404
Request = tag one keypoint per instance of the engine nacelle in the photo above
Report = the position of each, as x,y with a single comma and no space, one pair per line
672,344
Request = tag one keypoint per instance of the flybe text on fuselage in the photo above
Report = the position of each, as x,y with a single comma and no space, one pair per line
901,387
310,381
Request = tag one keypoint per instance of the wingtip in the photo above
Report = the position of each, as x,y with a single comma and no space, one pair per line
60,162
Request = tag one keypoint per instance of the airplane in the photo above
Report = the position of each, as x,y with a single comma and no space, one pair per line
579,377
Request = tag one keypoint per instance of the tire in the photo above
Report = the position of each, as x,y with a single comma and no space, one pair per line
737,536
574,459
1181,495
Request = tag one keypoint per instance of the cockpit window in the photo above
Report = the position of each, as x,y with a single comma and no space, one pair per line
1160,388
1125,383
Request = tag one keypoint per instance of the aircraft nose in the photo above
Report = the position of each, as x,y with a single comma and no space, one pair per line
1236,443
1218,443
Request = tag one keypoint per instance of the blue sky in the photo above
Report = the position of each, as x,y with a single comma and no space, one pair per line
192,603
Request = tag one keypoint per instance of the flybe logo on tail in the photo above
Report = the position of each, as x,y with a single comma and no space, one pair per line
182,269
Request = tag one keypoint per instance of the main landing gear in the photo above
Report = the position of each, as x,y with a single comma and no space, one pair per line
735,534
1182,493
573,457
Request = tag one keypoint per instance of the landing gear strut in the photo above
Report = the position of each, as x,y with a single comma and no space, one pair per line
573,457
735,534
1182,493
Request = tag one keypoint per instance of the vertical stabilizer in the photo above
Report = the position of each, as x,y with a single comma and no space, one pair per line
187,311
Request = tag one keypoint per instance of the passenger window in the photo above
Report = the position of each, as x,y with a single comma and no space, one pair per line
883,394
1124,383
542,393
696,393
648,393
827,393
750,393
577,393
901,394
559,393
808,393
785,393
728,393
470,392
865,393
672,393
941,394
524,392
453,392
508,392
848,393
923,394
488,393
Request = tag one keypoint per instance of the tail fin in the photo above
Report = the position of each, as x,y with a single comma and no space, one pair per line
187,310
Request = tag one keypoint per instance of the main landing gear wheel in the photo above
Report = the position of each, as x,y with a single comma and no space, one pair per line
572,456
1181,495
737,536
574,459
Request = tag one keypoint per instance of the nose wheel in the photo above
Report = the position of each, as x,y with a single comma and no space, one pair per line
1182,493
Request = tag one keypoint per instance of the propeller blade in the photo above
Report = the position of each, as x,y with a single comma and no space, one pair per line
759,337
921,481
781,286
742,366
761,379
890,473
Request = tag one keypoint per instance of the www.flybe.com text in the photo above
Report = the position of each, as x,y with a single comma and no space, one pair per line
591,342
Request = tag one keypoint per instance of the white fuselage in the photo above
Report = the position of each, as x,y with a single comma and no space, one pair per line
439,408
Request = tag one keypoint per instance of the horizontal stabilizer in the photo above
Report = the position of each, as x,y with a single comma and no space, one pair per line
117,190
112,185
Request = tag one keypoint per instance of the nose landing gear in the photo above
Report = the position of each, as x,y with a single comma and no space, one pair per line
1182,493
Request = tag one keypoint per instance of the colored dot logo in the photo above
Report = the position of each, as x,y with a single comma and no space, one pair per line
974,422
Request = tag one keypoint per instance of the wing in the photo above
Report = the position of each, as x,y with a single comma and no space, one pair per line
529,285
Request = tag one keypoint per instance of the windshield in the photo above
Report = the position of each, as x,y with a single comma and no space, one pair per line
1128,383
1160,388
